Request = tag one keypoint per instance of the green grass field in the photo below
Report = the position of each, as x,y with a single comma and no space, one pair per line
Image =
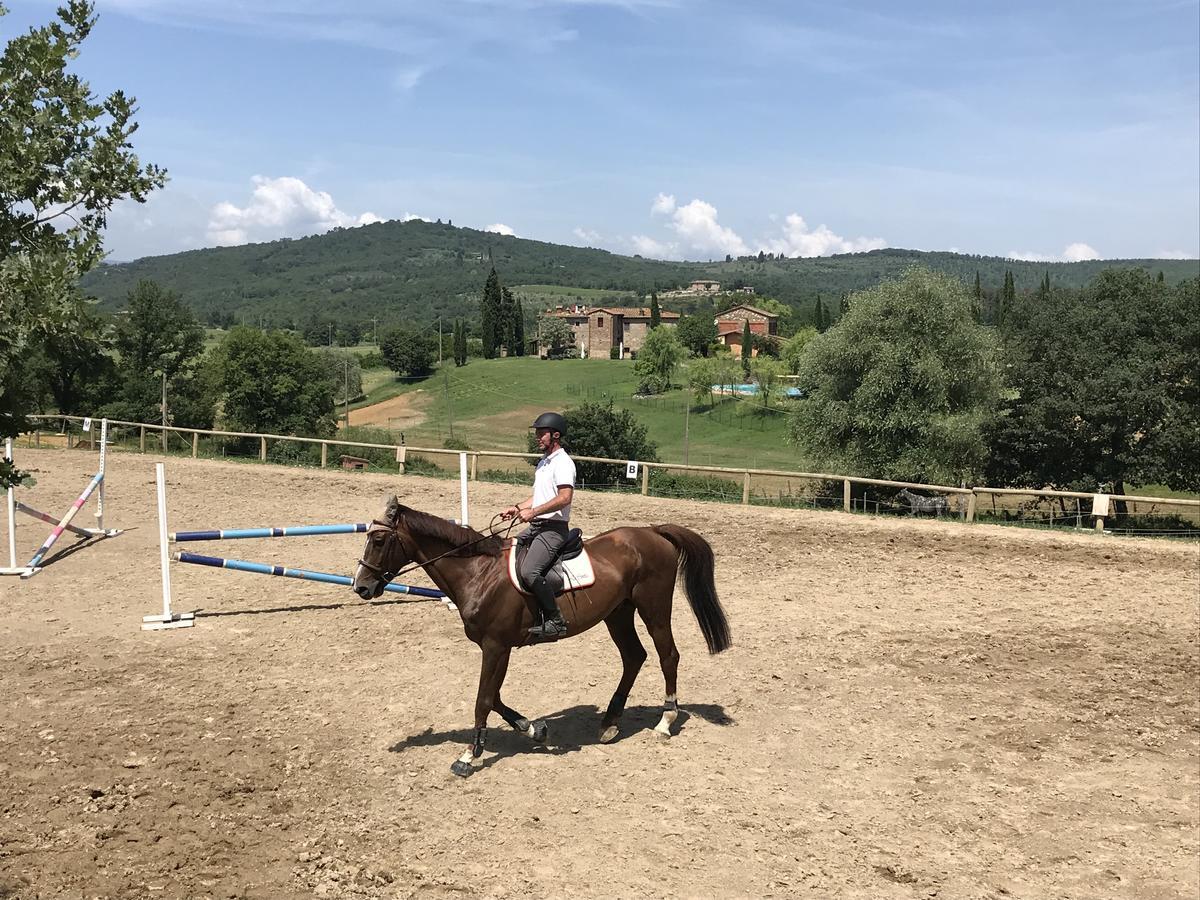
492,402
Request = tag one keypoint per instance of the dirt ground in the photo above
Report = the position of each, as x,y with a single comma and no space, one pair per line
910,710
397,412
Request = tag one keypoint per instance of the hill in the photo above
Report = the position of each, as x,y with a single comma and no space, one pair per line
415,271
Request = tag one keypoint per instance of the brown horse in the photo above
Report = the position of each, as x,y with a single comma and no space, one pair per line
635,571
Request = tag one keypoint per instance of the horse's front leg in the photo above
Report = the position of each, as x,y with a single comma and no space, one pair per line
534,729
491,676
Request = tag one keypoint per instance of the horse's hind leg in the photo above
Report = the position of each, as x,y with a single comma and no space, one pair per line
656,613
633,654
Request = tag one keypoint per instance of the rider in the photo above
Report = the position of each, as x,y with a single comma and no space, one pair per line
549,511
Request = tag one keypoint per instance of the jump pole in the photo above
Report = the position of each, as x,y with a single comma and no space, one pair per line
240,565
462,487
167,619
11,568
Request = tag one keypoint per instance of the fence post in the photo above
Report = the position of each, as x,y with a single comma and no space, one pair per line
262,450
142,440
474,466
37,438
746,488
324,453
645,480
846,494
195,443
401,456
971,507
1099,523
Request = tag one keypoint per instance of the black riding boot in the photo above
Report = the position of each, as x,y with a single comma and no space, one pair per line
552,626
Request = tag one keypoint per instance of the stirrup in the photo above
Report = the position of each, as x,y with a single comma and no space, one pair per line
549,629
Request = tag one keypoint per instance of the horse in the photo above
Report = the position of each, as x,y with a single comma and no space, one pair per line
635,568
917,504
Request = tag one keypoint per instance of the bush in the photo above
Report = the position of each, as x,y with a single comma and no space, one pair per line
377,458
372,359
597,429
455,444
614,352
407,353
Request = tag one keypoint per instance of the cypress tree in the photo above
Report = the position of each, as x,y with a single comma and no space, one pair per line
655,312
507,326
747,347
518,329
844,303
819,316
1044,288
460,343
977,299
1008,297
489,324
1161,279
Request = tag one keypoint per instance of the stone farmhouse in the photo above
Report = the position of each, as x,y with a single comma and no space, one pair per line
731,323
598,329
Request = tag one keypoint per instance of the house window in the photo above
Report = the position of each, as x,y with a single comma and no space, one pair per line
599,321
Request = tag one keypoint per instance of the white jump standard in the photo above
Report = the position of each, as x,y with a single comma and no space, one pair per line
60,525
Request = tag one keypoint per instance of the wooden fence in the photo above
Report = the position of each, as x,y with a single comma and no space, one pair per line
402,452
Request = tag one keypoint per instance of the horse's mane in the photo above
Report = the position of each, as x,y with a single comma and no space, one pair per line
469,541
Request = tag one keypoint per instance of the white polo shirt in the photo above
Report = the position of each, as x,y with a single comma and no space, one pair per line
552,472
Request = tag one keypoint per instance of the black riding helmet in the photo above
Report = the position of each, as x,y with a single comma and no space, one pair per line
553,421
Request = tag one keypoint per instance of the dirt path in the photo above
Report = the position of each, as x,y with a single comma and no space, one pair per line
910,710
397,413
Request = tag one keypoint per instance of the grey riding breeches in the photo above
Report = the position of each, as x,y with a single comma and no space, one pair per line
544,539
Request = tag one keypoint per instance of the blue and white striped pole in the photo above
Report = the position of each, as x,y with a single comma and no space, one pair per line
288,531
303,574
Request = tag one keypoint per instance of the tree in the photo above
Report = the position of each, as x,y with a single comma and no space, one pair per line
159,339
820,320
977,299
768,375
655,312
702,375
460,343
747,347
407,353
490,324
518,329
555,337
271,383
697,333
1102,386
507,329
344,371
902,387
657,360
76,368
793,349
597,429
65,160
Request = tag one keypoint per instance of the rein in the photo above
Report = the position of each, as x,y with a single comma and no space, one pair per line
394,528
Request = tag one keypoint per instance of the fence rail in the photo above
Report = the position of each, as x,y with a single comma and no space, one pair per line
970,495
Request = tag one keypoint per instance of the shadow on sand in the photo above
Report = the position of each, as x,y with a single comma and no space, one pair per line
570,730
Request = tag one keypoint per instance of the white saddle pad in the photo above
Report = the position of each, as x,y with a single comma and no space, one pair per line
574,573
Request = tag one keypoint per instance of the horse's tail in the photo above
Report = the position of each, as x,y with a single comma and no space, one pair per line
696,564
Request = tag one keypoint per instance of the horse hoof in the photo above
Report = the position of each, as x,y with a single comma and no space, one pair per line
540,731
662,734
609,734
462,769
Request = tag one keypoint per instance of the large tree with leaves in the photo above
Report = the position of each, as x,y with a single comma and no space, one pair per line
65,160
1102,386
902,386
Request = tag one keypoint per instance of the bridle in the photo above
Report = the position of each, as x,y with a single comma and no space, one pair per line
393,530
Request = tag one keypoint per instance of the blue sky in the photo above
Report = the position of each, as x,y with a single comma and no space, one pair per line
682,129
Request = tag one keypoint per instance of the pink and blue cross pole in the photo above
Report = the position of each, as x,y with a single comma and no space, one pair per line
62,525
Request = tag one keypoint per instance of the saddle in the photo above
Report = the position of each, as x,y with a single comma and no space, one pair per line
572,568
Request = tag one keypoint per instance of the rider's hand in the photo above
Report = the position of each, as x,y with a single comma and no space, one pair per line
509,513
525,515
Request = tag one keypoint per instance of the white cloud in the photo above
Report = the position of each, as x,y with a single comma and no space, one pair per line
648,246
279,207
1174,254
800,240
501,228
407,78
663,205
1076,252
697,224
588,236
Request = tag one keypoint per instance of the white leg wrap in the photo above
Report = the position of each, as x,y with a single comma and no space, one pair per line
529,731
670,714
467,756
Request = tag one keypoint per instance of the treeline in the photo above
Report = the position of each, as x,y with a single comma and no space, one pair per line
413,272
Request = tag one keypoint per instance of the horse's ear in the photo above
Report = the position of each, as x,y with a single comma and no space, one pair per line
393,507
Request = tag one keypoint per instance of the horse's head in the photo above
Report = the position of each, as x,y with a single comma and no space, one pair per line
384,555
